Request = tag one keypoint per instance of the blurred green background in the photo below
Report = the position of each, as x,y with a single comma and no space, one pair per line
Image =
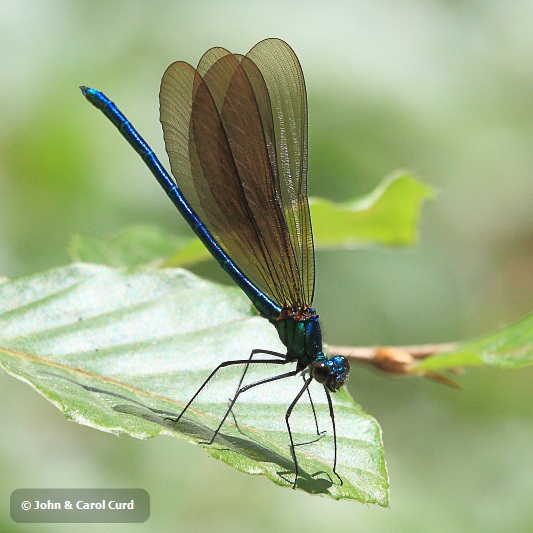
441,88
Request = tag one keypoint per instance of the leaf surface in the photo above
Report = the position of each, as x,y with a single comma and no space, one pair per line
123,351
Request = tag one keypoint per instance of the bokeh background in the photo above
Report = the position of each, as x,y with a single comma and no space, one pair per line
441,88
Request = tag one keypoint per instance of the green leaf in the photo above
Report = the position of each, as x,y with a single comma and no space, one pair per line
124,350
137,245
510,347
387,216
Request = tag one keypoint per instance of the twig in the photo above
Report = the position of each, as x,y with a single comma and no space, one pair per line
365,354
399,360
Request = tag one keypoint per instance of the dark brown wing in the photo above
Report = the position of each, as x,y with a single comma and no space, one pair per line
285,83
220,135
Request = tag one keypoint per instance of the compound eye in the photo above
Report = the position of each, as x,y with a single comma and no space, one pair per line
321,372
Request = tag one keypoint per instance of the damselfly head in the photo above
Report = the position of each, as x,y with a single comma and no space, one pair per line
332,373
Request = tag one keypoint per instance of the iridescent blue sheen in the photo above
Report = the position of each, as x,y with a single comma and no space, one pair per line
235,131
